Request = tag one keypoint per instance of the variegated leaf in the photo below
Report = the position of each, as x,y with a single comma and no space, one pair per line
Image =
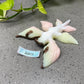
51,53
30,33
66,38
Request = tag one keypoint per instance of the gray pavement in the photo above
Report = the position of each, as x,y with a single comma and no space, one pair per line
68,69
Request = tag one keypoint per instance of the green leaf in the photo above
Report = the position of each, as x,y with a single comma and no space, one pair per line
1,12
4,6
67,38
11,3
34,6
7,5
40,7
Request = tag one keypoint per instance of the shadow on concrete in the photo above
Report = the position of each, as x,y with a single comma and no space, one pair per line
51,3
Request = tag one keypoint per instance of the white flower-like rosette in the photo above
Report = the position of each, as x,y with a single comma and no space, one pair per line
59,32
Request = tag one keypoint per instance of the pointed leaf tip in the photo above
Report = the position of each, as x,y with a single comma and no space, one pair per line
67,38
51,54
69,29
40,7
58,22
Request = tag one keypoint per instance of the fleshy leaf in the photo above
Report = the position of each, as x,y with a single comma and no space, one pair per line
51,54
66,38
40,7
58,22
30,33
46,25
69,29
7,5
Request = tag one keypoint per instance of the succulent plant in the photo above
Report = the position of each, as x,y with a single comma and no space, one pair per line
51,51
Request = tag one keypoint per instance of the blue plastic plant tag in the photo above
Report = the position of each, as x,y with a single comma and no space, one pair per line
28,53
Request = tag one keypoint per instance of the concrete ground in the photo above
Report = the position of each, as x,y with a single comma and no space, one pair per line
68,69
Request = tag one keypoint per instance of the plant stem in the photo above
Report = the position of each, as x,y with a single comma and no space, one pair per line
11,16
25,9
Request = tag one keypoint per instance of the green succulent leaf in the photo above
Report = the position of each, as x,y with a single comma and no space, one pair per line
40,7
67,38
7,5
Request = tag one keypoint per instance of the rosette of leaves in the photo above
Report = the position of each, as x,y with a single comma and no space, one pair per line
51,50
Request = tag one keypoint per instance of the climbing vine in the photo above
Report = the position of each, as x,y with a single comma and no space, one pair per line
9,4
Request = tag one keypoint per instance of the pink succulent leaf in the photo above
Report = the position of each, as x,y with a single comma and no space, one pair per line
51,53
69,29
58,22
46,25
